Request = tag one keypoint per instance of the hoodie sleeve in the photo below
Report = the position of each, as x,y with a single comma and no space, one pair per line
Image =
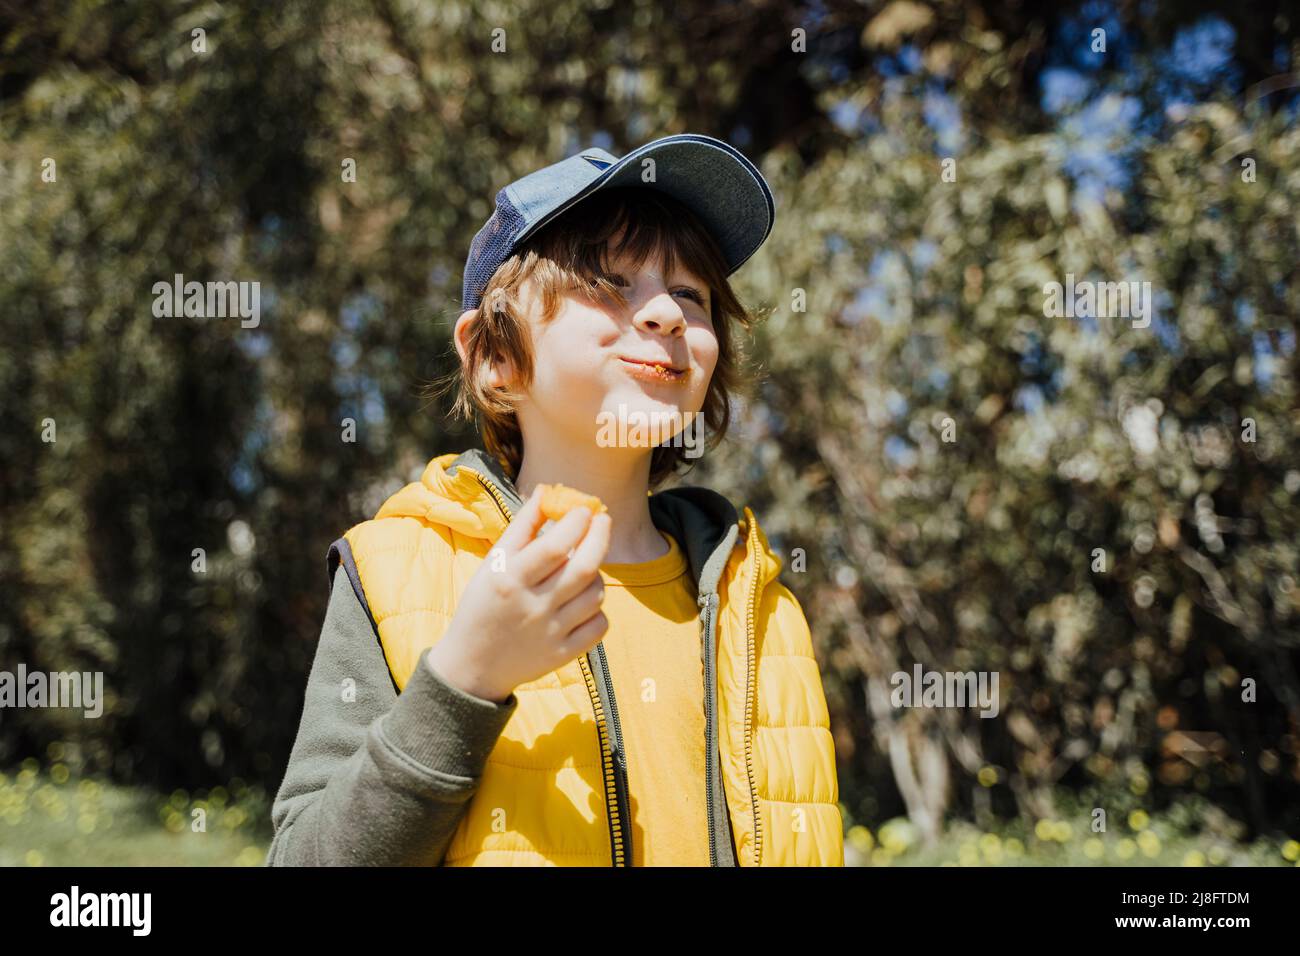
377,778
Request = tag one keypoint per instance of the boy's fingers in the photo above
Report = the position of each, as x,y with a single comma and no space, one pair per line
583,566
524,526
545,554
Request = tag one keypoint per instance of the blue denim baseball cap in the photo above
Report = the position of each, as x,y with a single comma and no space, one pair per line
711,178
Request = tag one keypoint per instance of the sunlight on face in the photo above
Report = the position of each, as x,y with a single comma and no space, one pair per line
647,364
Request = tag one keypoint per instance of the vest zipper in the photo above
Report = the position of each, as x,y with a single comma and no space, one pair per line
752,613
709,603
613,759
620,836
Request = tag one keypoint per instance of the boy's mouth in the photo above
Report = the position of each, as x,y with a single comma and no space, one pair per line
653,370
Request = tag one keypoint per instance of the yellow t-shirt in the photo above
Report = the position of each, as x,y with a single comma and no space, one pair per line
654,653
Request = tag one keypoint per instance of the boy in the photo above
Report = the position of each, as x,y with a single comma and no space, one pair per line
624,687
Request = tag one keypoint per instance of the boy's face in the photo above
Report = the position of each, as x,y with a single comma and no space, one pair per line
595,379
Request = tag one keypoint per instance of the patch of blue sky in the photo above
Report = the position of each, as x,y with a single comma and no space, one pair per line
253,342
345,352
1265,359
1198,62
270,233
814,13
363,400
854,120
1063,90
906,62
244,473
1245,314
359,309
845,115
867,302
872,299
1034,358
1099,142
899,452
1166,331
925,253
943,116
1076,37
357,389
1087,323
1029,399
373,408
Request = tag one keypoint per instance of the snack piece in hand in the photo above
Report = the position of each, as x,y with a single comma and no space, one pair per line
559,500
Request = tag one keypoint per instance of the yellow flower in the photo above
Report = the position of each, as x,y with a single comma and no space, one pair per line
860,839
1138,819
1094,848
988,776
898,834
250,856
1126,849
1194,858
1149,843
1291,851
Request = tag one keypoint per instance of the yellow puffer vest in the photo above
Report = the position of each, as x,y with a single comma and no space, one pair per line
554,789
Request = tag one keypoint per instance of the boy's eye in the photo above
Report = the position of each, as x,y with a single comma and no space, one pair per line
692,293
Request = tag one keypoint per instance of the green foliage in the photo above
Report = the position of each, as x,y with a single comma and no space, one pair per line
1066,436
924,315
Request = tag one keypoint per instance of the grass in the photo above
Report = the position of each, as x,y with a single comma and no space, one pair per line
48,818
1178,837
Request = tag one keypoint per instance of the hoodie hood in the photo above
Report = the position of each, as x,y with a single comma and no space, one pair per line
467,493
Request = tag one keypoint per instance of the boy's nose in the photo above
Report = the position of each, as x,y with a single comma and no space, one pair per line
660,314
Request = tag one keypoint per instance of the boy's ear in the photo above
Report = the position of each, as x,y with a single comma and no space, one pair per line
497,373
460,331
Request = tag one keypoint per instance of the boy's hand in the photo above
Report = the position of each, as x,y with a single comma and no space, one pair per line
531,607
